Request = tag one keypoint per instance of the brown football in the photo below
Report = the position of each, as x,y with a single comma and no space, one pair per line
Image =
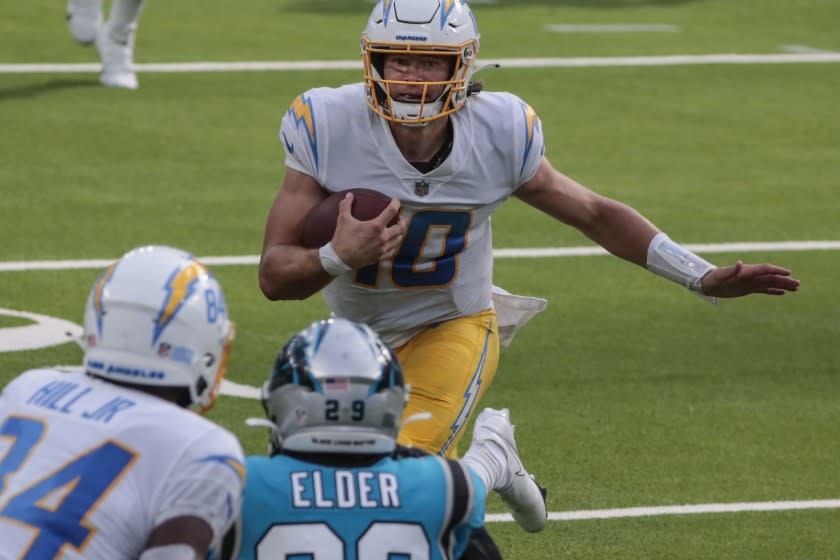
319,223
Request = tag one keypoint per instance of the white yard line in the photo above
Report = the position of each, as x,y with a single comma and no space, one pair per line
803,49
612,28
245,391
676,510
317,65
737,247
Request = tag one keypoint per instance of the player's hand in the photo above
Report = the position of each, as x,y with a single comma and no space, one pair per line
360,243
742,279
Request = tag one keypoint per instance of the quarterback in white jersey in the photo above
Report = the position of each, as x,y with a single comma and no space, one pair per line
420,130
444,269
107,463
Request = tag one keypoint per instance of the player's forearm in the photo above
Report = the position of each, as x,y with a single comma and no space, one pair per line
291,272
629,235
622,231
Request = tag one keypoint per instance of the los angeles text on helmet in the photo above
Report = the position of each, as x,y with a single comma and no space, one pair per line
122,370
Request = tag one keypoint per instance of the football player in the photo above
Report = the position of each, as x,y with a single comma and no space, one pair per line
336,485
114,39
108,463
422,131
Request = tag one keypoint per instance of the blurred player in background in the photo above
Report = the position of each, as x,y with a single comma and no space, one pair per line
114,40
109,464
337,485
420,130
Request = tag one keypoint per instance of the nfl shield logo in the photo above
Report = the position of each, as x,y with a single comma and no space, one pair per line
421,187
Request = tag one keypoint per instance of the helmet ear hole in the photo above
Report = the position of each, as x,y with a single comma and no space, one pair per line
200,386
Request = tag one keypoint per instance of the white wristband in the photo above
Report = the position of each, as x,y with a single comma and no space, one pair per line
669,260
331,262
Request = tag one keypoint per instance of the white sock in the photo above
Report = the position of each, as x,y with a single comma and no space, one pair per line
122,20
489,461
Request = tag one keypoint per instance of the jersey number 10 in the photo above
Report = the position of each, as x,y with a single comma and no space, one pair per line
414,266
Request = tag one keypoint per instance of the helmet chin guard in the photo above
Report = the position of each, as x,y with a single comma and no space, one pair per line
419,27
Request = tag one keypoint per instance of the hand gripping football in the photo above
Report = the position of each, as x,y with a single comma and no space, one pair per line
319,223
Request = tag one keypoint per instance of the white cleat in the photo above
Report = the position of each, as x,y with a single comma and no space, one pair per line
117,60
84,17
523,496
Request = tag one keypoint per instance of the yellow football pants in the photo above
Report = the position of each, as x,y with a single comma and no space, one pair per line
449,367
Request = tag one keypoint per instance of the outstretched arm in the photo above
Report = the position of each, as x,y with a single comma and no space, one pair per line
614,226
624,232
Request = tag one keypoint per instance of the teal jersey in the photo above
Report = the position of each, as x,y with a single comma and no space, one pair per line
399,508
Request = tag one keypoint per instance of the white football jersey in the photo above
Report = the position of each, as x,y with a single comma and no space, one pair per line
445,265
89,468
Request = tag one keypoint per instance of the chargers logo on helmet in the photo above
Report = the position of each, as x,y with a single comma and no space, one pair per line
98,293
179,287
447,8
386,11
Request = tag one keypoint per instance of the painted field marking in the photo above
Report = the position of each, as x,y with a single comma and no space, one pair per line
675,510
318,65
546,252
246,391
612,28
44,332
803,49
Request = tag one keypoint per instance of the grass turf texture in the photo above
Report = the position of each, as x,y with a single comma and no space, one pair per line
627,391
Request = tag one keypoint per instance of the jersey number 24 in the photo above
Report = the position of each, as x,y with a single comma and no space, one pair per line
56,505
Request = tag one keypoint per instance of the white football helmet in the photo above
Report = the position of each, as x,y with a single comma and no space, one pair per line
157,317
421,27
336,387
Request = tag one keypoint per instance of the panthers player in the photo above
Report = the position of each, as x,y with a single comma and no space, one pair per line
107,464
420,130
336,484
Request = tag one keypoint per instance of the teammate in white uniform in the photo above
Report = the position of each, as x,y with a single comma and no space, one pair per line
114,39
420,130
107,463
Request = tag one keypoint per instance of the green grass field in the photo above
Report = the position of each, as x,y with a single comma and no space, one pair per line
627,391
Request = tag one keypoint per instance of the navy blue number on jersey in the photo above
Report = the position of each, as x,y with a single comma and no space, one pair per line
57,505
444,267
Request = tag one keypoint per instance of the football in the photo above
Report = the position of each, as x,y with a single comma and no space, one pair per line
319,223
